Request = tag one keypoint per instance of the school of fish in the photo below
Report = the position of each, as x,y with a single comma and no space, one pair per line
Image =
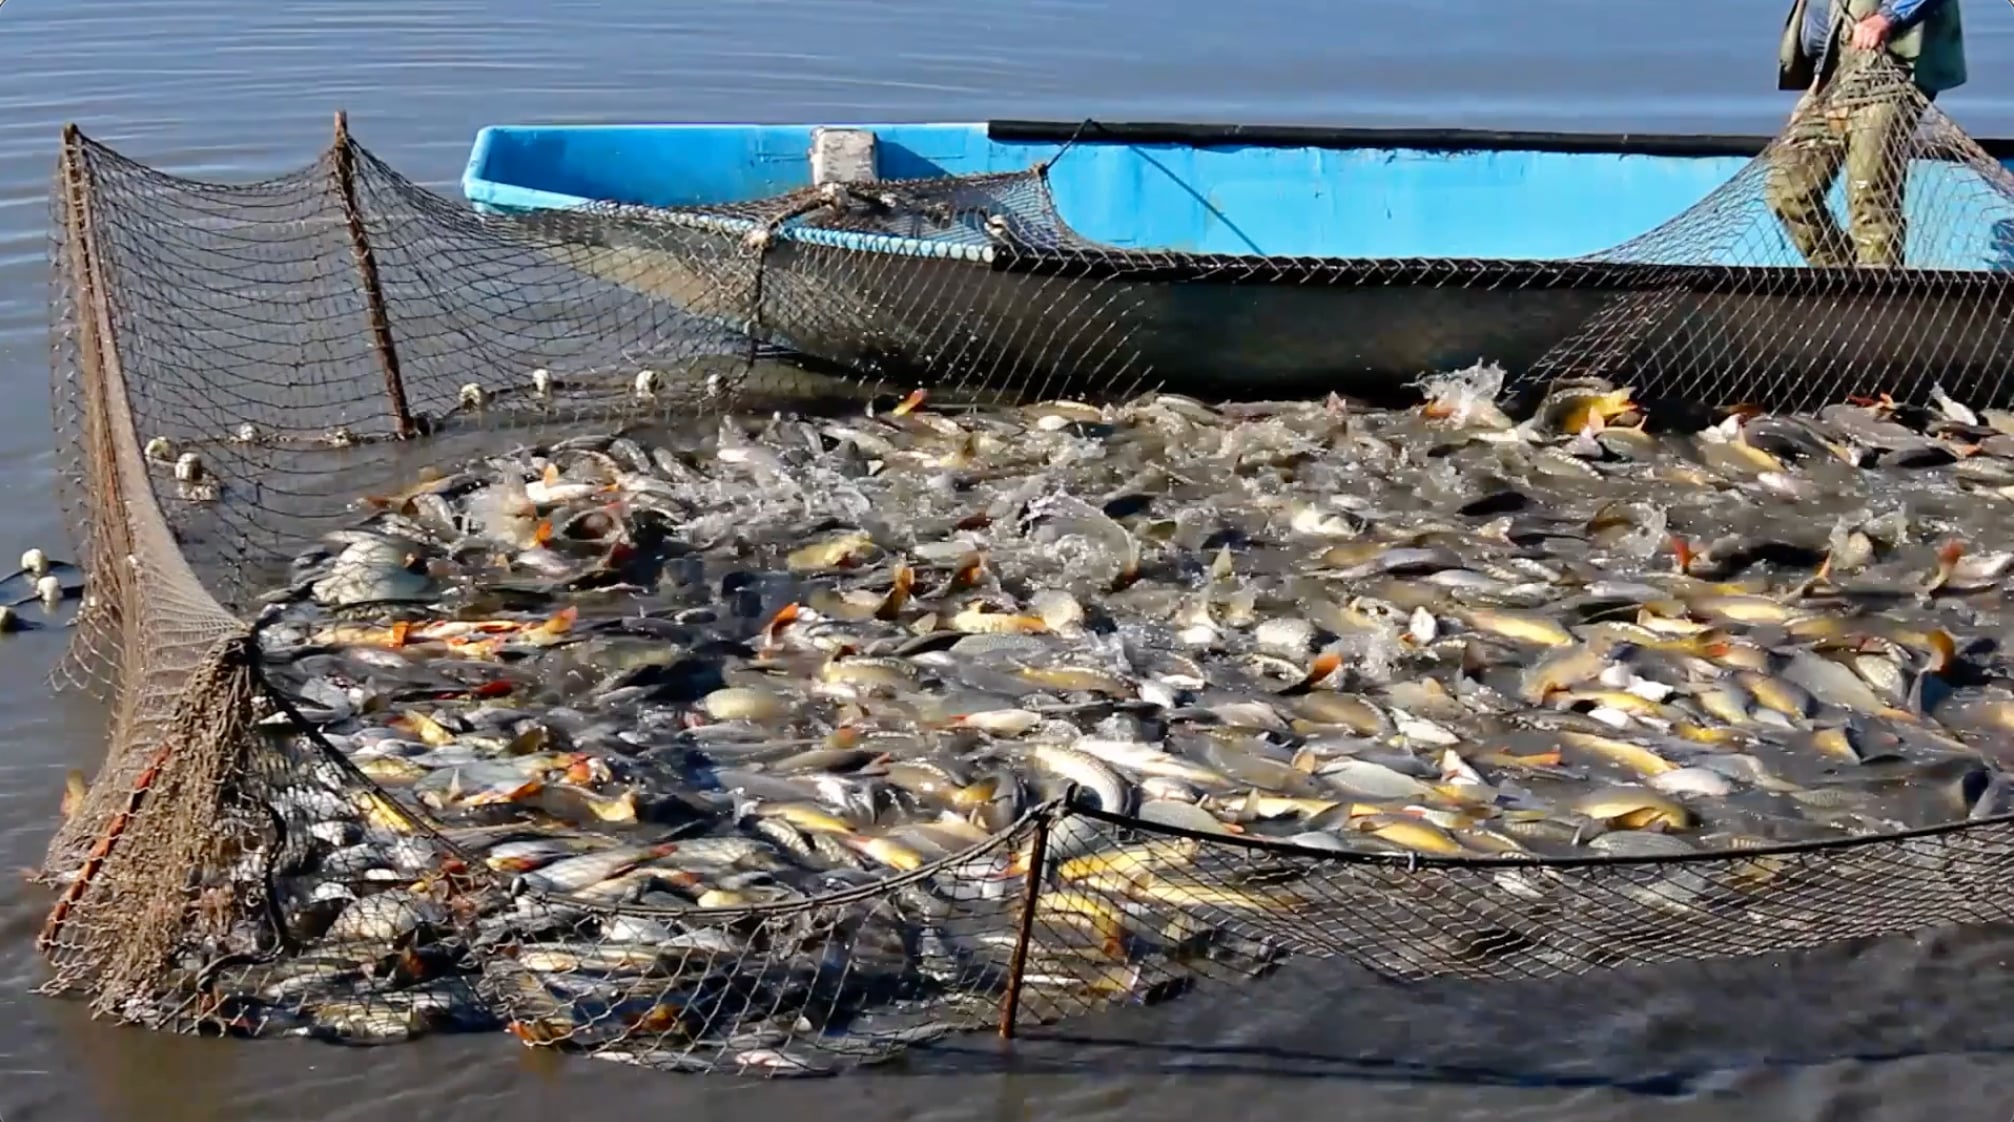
654,677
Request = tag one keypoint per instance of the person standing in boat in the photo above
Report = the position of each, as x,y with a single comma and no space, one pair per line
1822,40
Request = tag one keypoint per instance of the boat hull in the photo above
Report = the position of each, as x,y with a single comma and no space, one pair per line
1036,323
1103,317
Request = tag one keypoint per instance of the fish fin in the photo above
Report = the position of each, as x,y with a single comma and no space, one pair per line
1249,808
1681,554
898,593
784,617
969,571
915,398
1817,578
1947,563
551,475
1944,652
1129,572
559,623
844,736
525,790
1324,664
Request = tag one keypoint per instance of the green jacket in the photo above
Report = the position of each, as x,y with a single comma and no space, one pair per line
1934,47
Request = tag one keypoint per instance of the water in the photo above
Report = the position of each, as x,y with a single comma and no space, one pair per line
241,89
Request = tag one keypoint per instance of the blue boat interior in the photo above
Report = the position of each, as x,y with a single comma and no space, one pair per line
1269,199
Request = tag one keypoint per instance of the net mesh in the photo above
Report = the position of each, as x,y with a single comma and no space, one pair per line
1857,255
236,364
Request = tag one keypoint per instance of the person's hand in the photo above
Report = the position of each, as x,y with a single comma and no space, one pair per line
1871,34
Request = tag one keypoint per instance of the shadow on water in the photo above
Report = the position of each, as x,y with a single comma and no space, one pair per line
1658,1032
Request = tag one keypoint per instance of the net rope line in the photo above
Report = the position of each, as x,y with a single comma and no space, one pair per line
184,311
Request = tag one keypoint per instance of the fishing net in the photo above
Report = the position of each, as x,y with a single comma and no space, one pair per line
1860,254
236,364
1782,288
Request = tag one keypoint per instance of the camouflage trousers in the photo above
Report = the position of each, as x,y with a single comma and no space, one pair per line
1872,142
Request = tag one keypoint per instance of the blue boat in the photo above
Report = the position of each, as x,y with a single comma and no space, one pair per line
1289,260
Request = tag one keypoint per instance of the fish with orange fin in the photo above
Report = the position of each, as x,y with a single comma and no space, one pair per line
1579,410
772,631
860,604
970,571
1942,651
552,630
1948,556
1820,578
977,618
550,489
1960,570
899,589
430,731
484,641
1324,664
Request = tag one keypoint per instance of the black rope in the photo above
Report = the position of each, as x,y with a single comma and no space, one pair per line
1042,167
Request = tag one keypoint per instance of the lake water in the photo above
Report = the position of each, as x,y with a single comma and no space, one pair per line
243,89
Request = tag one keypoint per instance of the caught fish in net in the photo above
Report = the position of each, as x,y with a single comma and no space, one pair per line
580,625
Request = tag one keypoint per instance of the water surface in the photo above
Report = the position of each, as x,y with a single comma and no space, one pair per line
230,90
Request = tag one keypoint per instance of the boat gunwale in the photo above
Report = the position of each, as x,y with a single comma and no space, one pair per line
1155,266
1428,140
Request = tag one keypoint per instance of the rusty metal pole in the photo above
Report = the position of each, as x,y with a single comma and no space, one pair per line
367,266
1031,890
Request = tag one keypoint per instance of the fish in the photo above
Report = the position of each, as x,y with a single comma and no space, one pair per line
1635,757
1144,759
1522,627
745,703
573,874
1090,774
843,655
1634,808
1371,780
1411,833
